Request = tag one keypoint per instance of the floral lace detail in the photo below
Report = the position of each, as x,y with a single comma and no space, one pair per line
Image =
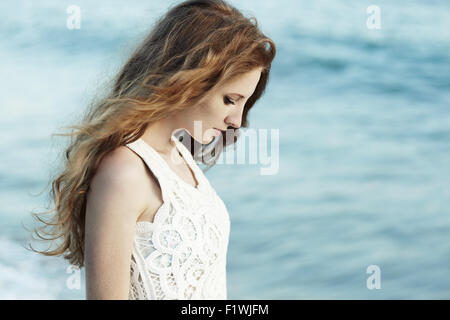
182,254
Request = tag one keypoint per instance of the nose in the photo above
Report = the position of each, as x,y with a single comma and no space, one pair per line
235,119
234,125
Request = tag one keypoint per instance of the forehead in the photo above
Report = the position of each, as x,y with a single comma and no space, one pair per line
244,84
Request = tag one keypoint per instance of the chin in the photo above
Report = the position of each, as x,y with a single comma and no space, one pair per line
204,139
208,139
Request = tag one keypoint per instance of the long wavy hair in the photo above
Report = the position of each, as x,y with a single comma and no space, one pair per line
196,46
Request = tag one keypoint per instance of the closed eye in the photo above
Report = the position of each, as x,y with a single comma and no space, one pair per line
227,100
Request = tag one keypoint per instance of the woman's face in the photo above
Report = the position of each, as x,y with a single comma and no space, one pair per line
219,108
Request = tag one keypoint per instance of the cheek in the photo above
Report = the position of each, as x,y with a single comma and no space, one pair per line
200,119
212,112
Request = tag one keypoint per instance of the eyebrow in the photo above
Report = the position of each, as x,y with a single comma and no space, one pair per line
240,95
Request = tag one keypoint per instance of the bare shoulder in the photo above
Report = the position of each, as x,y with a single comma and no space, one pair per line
122,177
119,179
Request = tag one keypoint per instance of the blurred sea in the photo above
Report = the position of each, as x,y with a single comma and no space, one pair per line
364,159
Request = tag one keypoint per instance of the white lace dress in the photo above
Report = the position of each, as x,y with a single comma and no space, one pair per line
182,254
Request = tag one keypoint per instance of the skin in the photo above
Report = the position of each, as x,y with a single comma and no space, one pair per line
124,191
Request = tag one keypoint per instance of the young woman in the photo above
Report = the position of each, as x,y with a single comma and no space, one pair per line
131,204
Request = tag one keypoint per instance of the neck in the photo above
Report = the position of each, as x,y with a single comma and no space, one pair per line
158,136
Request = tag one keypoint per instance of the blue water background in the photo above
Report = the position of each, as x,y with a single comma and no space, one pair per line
364,159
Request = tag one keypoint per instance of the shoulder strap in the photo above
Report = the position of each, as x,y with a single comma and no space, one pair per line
153,163
191,162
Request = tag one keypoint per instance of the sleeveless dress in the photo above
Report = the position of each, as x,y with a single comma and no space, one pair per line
181,255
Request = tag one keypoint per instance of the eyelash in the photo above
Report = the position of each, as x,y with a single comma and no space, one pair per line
227,100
